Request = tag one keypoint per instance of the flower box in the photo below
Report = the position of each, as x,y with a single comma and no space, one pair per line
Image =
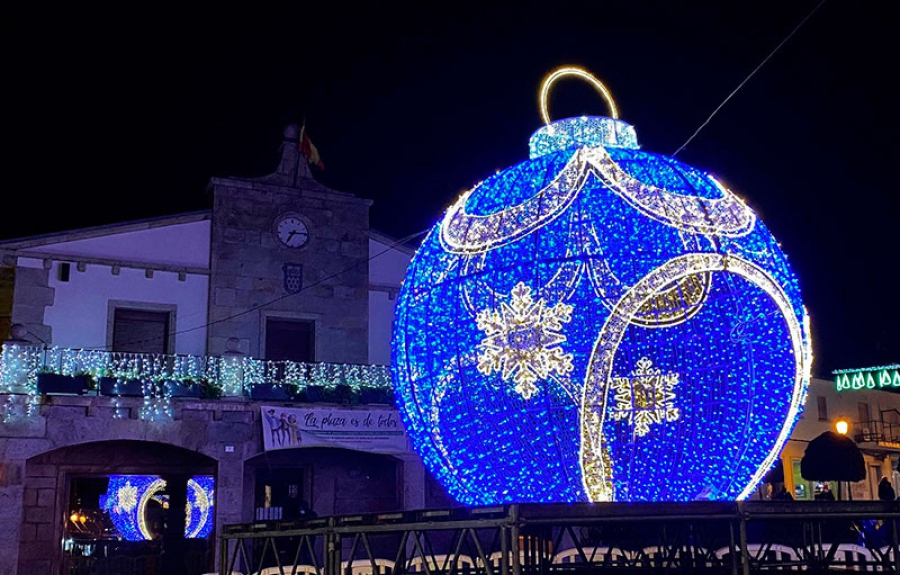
121,387
268,392
56,383
315,393
183,389
376,395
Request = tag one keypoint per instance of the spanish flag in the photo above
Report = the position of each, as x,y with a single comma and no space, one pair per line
309,150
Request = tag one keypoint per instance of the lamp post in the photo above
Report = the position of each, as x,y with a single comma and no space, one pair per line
842,426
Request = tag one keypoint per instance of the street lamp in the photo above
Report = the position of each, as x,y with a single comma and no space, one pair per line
841,426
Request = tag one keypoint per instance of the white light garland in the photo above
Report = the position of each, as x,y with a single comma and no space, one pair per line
20,364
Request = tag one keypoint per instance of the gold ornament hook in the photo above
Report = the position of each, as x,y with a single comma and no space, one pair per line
583,74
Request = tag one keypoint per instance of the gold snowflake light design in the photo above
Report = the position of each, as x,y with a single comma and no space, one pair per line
522,340
126,498
645,398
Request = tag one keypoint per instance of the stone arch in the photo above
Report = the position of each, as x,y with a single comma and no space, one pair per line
48,476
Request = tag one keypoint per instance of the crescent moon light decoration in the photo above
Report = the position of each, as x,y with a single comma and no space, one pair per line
127,498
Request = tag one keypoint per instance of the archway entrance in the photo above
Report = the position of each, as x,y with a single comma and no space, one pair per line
297,484
123,507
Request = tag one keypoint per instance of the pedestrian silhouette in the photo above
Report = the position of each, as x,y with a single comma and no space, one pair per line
783,495
826,494
885,490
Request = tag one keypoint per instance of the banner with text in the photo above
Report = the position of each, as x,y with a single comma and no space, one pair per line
373,430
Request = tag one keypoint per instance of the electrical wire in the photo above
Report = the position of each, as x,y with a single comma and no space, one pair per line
755,70
356,264
314,284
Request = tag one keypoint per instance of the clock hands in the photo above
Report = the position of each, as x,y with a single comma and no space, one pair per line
293,233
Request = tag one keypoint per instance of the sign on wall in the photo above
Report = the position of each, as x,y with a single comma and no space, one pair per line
371,430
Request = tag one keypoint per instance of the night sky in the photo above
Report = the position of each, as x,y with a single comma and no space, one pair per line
116,116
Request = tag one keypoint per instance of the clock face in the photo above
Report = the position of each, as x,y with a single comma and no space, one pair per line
291,231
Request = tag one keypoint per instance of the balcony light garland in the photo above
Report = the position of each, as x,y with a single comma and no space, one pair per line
19,366
21,363
599,323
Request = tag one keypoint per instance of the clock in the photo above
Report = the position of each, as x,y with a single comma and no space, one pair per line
291,230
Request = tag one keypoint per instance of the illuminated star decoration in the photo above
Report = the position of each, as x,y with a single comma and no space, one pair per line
522,339
646,398
126,498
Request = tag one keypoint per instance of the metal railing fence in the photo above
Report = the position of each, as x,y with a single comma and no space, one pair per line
550,539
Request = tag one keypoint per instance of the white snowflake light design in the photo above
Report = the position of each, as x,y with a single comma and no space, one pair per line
522,340
127,497
645,398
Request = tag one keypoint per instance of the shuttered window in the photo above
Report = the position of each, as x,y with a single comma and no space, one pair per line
141,331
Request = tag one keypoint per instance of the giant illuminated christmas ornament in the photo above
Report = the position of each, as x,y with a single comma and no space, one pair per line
599,323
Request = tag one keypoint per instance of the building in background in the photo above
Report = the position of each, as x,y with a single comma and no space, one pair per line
283,292
868,400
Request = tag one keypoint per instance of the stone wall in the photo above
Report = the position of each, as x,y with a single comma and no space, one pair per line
78,435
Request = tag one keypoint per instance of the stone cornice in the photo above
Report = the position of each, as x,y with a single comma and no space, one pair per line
10,257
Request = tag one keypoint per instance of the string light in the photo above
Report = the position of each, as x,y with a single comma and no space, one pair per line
887,376
21,363
677,371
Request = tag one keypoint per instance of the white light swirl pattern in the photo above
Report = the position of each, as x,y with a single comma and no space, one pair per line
595,459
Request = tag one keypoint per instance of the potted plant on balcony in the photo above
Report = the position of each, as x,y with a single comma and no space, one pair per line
209,389
345,394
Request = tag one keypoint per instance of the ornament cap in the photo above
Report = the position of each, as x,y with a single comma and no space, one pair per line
571,133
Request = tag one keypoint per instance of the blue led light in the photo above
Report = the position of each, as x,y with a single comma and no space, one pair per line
127,497
599,324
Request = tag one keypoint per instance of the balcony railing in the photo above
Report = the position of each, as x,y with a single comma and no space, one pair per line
23,367
880,432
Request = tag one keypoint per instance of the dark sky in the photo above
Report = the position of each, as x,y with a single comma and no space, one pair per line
120,115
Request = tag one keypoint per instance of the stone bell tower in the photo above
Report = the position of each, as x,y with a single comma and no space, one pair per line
288,265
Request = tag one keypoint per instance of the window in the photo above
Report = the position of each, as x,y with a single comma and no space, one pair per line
865,427
865,415
140,331
823,407
290,339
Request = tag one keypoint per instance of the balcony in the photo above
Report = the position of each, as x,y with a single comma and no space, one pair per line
29,371
880,434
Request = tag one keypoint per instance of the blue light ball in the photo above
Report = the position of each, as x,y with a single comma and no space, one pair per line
599,323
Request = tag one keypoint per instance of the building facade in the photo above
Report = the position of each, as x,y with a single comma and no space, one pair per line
284,281
872,414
